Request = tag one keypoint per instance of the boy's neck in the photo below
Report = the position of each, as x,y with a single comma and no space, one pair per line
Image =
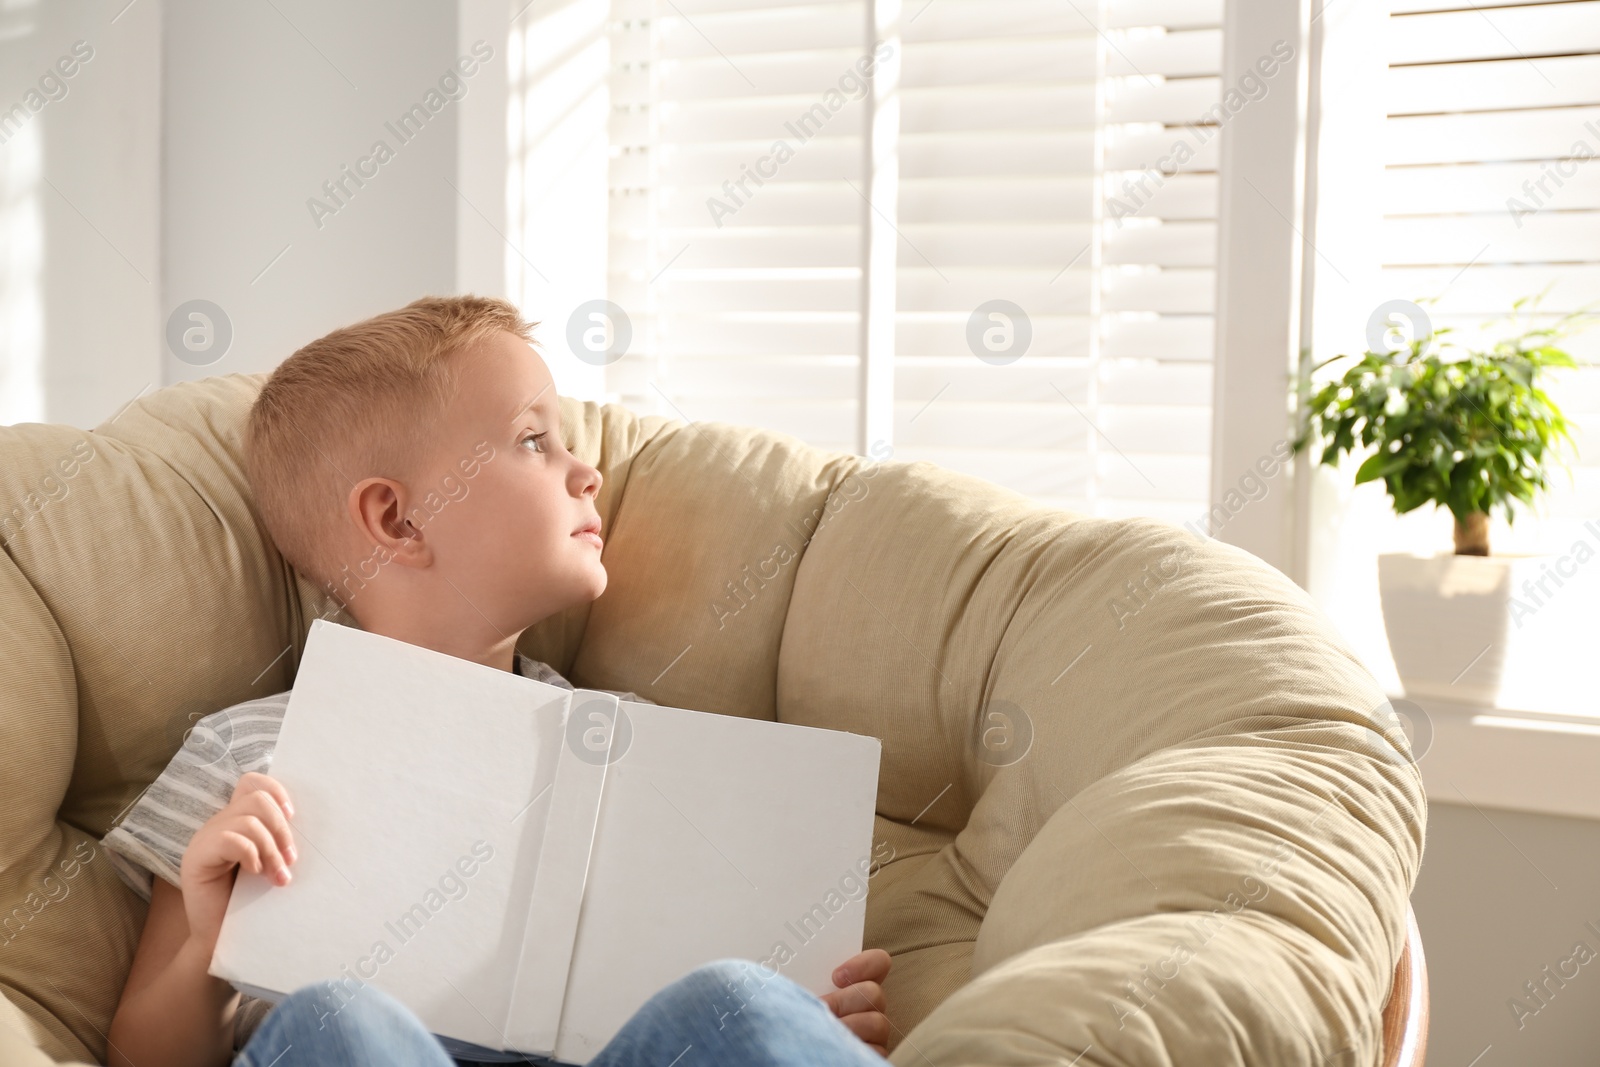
500,654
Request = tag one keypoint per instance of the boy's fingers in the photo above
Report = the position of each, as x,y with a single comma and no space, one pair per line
253,781
870,1027
272,862
239,849
860,997
874,995
265,806
868,965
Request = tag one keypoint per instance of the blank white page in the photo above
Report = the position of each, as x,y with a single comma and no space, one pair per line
396,777
718,836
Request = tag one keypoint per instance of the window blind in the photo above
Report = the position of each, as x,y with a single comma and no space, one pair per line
1028,173
743,291
1026,136
1491,194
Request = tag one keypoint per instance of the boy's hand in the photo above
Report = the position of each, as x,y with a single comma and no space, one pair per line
252,832
859,1002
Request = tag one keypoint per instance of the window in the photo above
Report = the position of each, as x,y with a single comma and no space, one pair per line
1490,193
734,217
1486,118
1038,311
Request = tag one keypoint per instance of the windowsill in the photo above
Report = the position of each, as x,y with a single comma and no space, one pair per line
1545,764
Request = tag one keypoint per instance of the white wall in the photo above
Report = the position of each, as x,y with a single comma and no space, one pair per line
79,208
263,104
1502,896
179,163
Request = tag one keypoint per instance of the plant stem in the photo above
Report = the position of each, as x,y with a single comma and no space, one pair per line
1472,536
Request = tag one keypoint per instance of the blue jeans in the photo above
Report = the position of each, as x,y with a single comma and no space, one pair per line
724,1013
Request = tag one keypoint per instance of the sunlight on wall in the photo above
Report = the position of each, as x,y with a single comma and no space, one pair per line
21,270
557,152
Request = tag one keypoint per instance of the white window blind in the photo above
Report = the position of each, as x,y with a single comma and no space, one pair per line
743,292
1025,136
1028,152
1490,193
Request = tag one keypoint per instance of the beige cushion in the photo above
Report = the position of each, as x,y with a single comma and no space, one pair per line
1102,739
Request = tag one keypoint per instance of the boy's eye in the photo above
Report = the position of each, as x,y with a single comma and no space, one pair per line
539,437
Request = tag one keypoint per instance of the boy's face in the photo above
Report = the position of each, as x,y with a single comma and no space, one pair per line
508,537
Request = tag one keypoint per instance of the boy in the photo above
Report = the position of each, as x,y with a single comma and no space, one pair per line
346,440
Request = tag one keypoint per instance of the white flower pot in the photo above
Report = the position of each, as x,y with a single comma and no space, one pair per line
1449,622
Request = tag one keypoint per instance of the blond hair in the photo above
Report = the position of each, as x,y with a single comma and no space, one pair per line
357,403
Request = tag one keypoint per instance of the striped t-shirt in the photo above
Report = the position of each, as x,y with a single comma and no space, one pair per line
198,782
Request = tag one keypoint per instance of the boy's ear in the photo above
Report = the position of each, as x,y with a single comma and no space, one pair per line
374,506
395,526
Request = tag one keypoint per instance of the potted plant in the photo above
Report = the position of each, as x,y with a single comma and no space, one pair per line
1469,429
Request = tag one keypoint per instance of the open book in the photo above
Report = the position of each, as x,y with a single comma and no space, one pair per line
523,866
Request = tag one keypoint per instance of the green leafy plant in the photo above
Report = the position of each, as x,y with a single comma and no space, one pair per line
1467,429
